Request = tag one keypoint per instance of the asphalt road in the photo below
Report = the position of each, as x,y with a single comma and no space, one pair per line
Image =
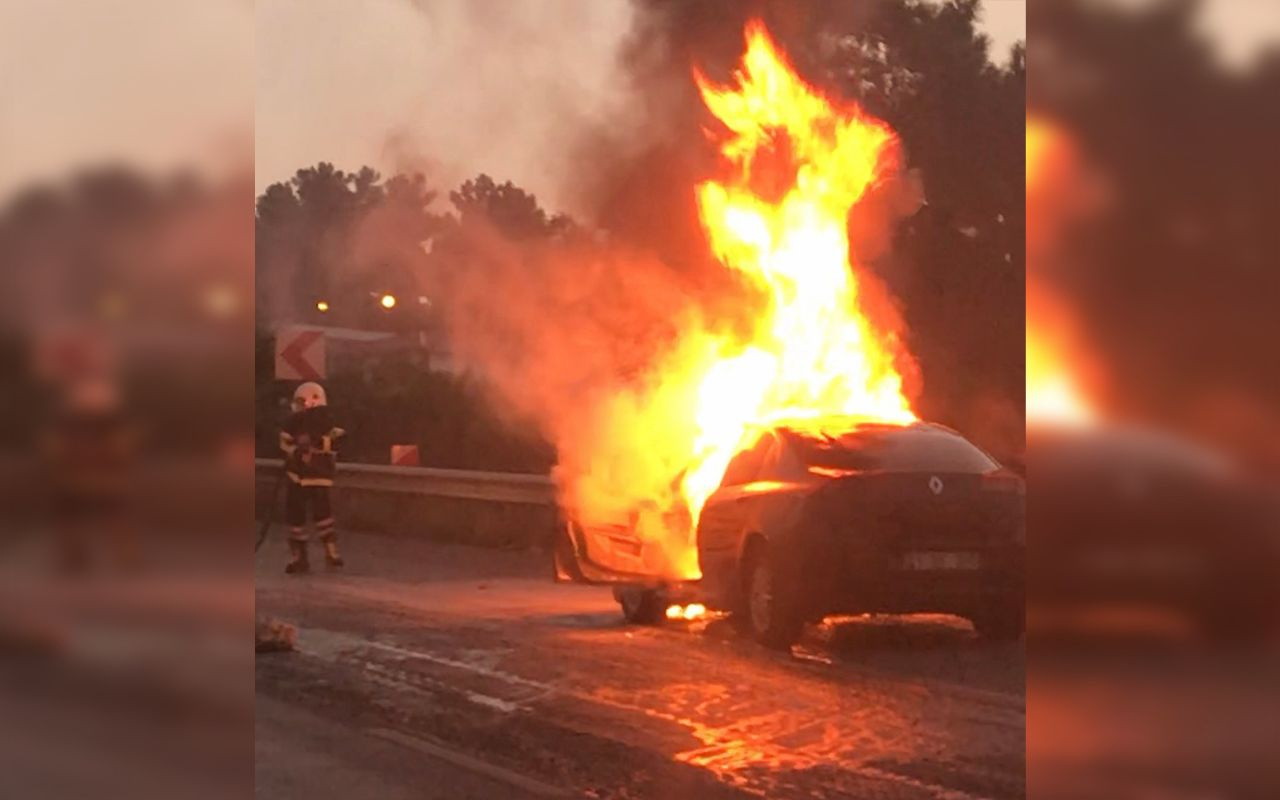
424,670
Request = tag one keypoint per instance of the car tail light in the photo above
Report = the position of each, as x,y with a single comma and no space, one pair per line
832,472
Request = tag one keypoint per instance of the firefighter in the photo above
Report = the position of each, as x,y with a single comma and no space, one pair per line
308,440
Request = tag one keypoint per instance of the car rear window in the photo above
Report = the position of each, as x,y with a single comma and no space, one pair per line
895,450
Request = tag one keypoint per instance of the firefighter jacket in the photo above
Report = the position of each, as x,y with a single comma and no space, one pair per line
309,440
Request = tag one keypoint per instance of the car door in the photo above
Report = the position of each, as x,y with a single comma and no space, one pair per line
615,552
724,518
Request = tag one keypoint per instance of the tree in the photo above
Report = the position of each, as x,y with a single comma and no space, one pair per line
342,238
513,211
349,237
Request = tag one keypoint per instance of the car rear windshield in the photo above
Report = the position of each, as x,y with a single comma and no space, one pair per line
895,450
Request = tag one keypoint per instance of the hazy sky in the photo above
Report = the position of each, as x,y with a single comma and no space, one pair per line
163,83
475,90
1005,21
472,86
156,83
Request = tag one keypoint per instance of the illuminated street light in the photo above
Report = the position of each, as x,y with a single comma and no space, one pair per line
388,301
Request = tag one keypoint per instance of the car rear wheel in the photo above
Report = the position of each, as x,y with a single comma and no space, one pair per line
768,609
1001,623
640,606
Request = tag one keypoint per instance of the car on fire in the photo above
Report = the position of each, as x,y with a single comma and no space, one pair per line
852,518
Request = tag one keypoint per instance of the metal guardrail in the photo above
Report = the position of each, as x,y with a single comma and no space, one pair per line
503,487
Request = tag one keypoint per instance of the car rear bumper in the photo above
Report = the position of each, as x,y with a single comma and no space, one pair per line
957,582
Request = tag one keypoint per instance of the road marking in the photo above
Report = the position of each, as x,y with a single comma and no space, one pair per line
331,645
398,680
939,792
505,706
488,672
471,763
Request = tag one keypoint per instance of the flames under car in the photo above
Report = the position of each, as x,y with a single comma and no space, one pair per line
854,518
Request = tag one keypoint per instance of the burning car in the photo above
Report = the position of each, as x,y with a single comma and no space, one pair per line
690,485
842,518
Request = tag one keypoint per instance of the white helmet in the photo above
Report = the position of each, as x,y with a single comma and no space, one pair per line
308,395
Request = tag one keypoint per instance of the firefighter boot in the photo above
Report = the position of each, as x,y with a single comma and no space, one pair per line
327,528
299,563
331,555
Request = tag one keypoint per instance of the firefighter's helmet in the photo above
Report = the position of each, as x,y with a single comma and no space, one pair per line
308,395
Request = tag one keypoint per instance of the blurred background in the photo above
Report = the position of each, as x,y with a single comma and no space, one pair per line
1152,398
126,346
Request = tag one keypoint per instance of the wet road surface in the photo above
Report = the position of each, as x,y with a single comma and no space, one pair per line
430,670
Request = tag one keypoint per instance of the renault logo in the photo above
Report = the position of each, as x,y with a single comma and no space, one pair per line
935,485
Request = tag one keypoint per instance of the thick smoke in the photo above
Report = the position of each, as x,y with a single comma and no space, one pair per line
450,88
577,338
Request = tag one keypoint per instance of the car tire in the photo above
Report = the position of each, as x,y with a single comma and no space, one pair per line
768,610
640,606
1001,623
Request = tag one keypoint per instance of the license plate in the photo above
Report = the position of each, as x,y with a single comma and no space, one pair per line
941,561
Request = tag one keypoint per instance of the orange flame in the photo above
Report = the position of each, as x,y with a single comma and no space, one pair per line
797,163
690,612
647,455
1043,141
1054,392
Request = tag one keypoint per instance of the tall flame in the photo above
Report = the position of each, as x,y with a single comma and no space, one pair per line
1054,393
811,342
1054,390
795,164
